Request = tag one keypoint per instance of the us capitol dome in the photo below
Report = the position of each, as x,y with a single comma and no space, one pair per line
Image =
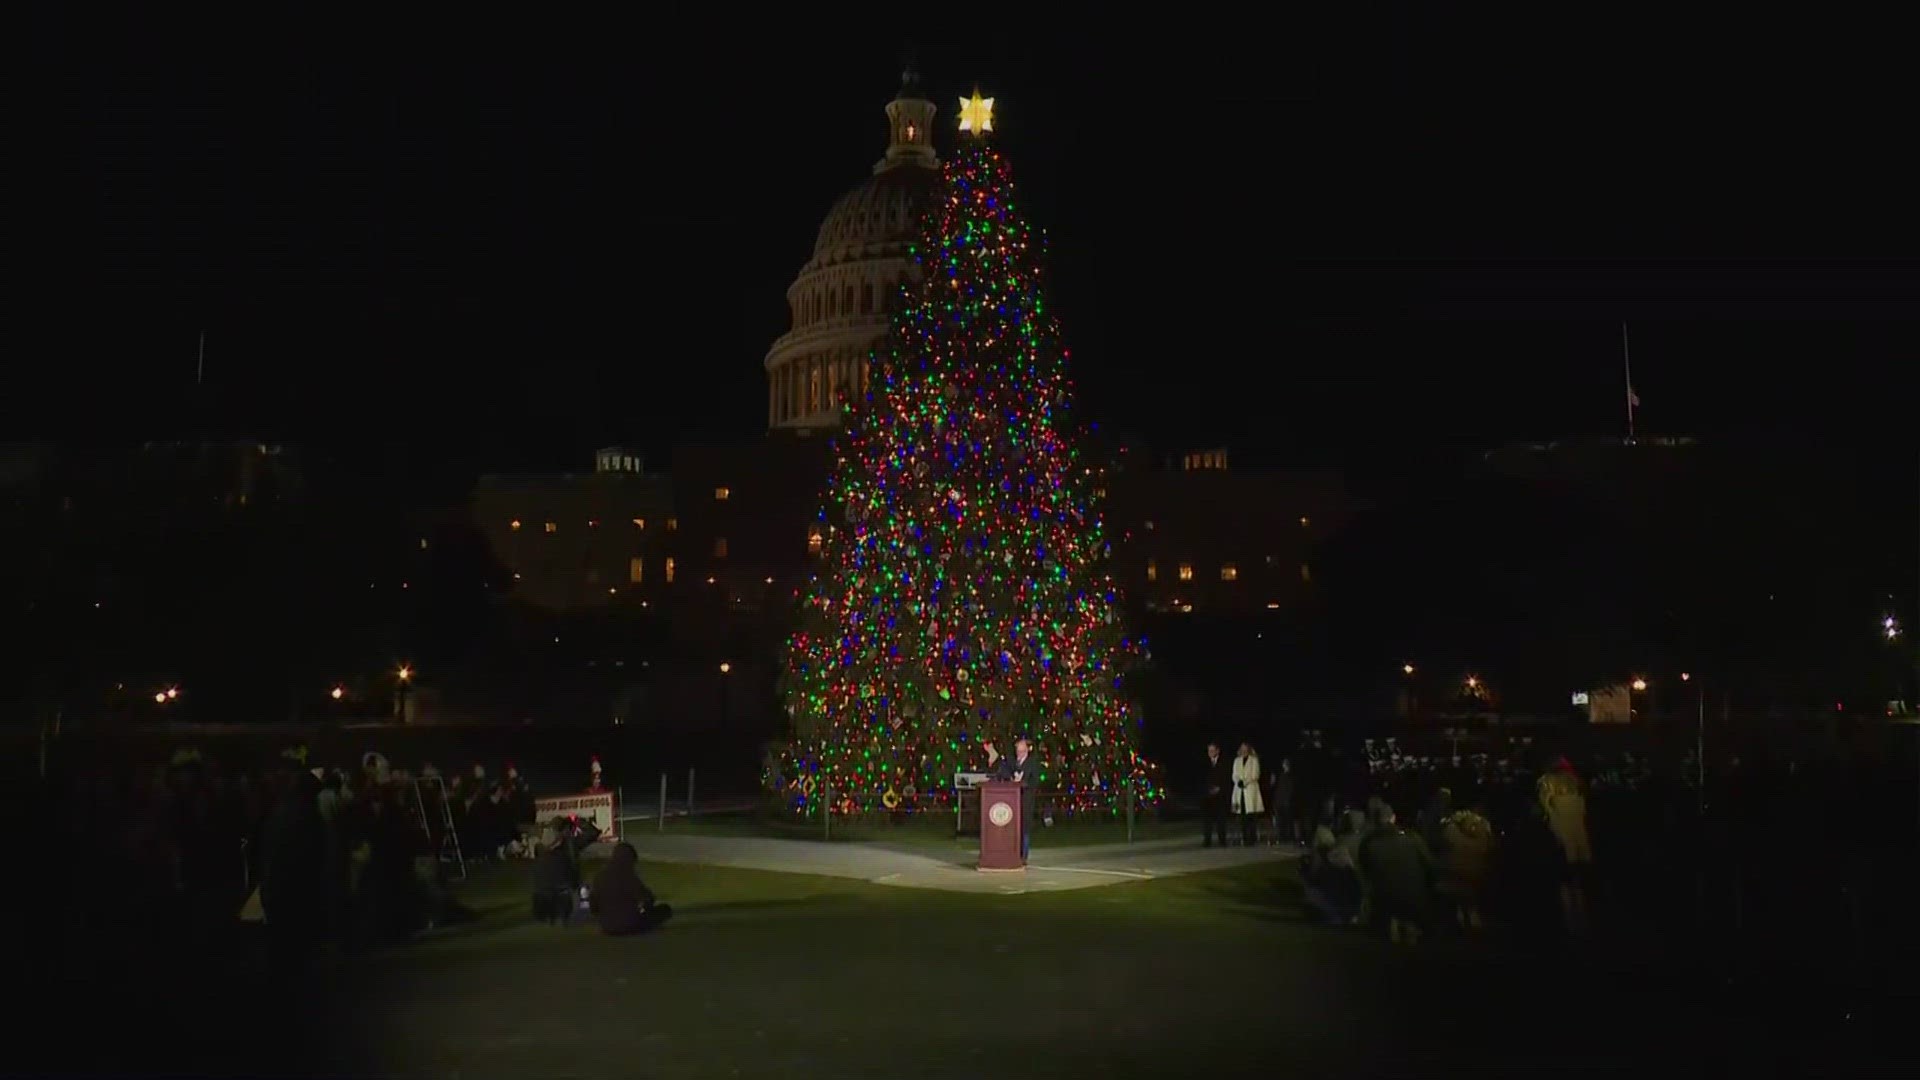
845,296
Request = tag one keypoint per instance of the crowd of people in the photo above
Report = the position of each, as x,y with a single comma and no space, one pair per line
353,855
1756,845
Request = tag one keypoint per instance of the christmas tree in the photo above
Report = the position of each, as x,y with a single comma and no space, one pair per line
963,596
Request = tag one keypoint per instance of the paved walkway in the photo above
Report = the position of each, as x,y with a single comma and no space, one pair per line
934,867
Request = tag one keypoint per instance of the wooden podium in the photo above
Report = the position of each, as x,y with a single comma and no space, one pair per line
1000,826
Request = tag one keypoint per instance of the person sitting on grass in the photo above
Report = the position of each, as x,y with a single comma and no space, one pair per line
556,878
621,901
1332,876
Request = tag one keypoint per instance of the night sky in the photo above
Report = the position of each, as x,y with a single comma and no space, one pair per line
1341,239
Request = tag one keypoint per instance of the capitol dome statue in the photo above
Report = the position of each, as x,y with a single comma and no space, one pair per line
845,296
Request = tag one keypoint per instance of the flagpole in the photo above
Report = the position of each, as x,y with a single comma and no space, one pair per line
1626,362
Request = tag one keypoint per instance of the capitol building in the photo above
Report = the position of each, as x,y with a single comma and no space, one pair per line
862,262
713,542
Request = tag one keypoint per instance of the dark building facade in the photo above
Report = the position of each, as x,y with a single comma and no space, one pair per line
1193,536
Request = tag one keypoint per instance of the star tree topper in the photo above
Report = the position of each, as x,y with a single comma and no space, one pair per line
976,114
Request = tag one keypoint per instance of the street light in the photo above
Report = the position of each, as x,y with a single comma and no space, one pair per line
405,674
1406,669
172,692
1639,685
725,667
337,693
160,698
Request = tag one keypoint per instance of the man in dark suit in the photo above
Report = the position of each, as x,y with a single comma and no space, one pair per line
1022,769
1219,790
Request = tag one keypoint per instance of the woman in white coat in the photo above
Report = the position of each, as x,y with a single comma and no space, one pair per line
1246,794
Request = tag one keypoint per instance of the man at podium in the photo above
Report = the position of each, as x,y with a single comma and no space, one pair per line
1022,770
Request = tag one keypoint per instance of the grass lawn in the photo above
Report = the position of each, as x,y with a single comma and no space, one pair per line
793,976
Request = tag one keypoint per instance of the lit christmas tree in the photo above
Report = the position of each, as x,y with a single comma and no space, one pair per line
963,596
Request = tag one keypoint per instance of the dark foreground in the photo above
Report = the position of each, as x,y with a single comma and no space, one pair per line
792,976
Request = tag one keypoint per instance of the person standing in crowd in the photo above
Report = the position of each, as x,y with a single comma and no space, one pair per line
620,901
1466,853
1433,819
520,802
1285,828
556,878
1247,803
1218,788
1563,801
1399,872
293,888
337,864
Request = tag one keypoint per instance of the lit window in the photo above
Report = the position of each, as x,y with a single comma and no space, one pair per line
639,523
1306,572
673,524
593,523
1229,572
1153,572
636,570
423,543
1099,493
814,540
552,528
514,524
1186,571
1149,526
721,494
1304,522
669,569
720,547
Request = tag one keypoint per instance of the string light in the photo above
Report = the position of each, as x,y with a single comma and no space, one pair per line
962,595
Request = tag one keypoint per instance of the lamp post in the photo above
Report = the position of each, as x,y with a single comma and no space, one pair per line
1699,743
403,681
726,671
1639,685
